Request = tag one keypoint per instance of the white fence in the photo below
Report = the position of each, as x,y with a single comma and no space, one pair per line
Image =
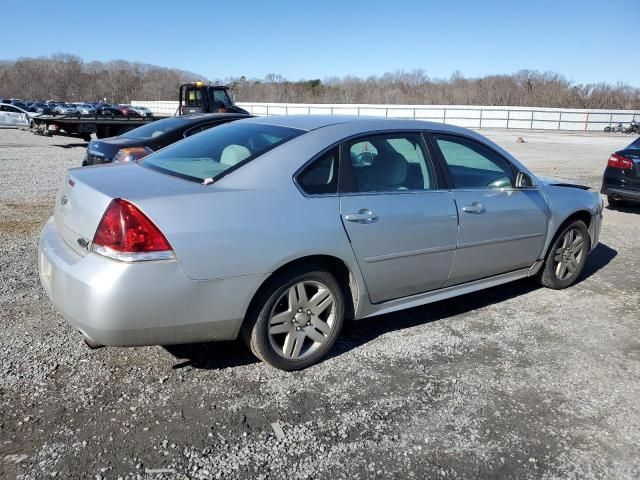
462,115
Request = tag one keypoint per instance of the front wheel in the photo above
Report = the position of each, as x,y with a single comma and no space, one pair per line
566,257
296,319
607,129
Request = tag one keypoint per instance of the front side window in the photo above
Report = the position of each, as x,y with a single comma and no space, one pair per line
390,163
472,165
321,177
209,155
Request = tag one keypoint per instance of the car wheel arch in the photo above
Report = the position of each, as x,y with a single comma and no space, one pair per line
583,215
334,265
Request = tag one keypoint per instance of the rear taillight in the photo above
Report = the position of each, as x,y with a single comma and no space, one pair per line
618,161
132,153
126,234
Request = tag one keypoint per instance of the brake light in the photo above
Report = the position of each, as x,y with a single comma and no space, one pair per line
127,234
618,161
132,153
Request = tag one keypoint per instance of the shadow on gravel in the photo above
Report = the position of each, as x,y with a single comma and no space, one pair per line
211,355
628,208
218,355
72,145
598,259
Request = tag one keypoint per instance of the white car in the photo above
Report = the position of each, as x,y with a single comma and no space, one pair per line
142,111
12,116
85,108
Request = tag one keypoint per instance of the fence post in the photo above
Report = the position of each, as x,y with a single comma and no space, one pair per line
508,115
480,119
386,112
533,112
559,120
358,111
444,116
610,119
267,110
286,109
586,122
414,113
331,110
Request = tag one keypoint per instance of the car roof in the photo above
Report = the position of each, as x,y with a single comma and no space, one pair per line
313,122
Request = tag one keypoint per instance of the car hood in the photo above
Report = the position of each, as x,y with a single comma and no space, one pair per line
560,182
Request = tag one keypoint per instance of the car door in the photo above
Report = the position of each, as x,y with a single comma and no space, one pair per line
501,227
15,117
4,118
401,225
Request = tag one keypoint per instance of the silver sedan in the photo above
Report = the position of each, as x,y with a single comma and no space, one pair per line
279,229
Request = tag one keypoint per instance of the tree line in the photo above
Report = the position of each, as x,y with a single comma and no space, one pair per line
67,77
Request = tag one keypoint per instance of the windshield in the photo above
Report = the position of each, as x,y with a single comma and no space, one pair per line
208,155
153,129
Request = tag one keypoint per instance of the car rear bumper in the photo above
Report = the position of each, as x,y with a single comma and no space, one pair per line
145,303
622,193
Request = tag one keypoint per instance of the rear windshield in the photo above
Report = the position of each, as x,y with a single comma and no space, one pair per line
635,145
153,129
209,155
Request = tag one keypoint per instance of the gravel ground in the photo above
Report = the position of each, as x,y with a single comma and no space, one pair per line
516,381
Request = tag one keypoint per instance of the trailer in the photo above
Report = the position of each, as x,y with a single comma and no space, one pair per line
83,126
195,97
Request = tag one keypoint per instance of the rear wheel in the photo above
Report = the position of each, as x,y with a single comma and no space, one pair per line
296,319
613,201
566,257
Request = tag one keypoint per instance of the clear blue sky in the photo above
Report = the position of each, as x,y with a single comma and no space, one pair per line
585,40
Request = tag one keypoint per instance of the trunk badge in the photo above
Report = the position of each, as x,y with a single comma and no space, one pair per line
83,243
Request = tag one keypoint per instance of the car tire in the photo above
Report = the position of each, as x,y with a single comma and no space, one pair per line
286,328
614,202
566,257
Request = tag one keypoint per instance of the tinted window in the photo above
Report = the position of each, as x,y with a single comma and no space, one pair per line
200,128
635,145
153,129
322,175
473,165
391,162
209,155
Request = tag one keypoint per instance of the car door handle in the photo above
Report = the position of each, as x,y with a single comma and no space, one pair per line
475,207
364,215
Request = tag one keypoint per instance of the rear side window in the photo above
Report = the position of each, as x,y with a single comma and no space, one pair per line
472,165
321,177
205,157
390,163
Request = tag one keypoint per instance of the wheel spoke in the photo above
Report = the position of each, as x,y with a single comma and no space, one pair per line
293,299
320,301
284,317
572,266
315,335
299,341
576,246
280,328
561,269
321,325
301,292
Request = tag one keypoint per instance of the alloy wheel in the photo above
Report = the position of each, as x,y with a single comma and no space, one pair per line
302,319
568,254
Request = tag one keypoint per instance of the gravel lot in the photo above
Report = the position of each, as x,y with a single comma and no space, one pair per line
516,381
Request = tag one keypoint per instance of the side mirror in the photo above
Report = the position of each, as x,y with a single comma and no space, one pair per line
524,180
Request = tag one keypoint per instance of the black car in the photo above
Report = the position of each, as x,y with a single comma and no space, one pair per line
141,141
621,180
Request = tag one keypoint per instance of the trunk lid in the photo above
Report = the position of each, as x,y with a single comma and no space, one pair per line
85,193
